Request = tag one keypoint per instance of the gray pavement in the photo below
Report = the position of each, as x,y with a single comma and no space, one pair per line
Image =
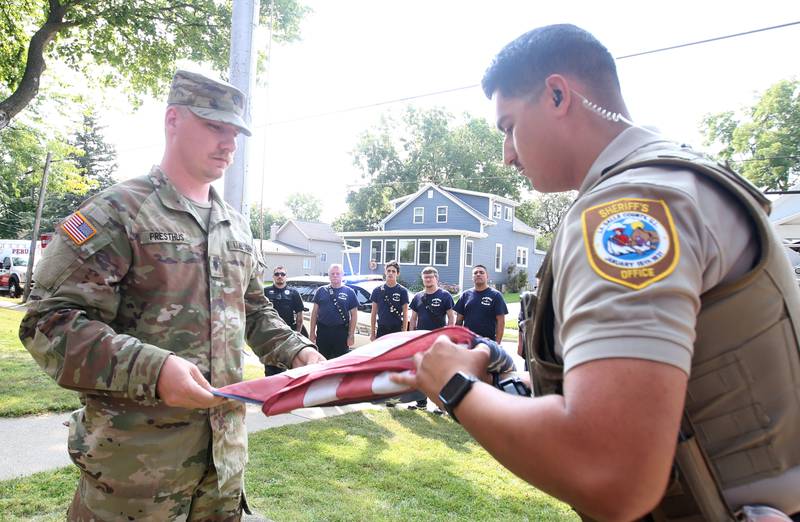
39,443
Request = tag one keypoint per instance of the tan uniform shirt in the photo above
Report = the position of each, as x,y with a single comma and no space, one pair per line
597,318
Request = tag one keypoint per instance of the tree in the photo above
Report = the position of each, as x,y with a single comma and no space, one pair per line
425,146
763,140
304,207
23,148
544,213
269,217
132,42
95,160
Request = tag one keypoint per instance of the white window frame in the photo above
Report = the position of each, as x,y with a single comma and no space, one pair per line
419,251
386,249
524,251
379,259
306,263
430,194
323,257
400,250
438,216
508,213
446,251
421,216
497,211
498,257
469,252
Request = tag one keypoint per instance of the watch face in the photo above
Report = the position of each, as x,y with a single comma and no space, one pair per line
454,387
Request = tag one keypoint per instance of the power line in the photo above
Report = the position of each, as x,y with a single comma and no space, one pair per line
707,40
472,86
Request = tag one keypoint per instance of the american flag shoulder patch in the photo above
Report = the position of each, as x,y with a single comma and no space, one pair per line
78,228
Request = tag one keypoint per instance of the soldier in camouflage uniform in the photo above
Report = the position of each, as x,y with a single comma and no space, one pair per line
144,302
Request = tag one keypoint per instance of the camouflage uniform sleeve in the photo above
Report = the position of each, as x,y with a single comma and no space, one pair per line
66,328
271,339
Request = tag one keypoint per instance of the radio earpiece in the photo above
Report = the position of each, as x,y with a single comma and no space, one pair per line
557,97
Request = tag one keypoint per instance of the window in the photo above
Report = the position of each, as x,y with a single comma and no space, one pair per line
391,250
376,250
430,194
419,215
323,257
522,256
441,248
441,214
306,263
509,213
498,211
498,257
468,248
408,251
424,252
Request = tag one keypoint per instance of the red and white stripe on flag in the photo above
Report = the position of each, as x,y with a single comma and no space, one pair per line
361,375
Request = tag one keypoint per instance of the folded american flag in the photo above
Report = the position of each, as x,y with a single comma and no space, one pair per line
362,375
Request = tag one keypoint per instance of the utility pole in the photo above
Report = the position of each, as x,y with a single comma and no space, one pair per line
39,207
244,20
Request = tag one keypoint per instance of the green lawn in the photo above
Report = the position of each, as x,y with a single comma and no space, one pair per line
25,389
369,465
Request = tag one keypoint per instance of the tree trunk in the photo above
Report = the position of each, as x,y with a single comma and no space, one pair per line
28,88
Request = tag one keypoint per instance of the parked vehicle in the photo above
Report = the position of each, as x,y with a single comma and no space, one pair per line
14,255
363,287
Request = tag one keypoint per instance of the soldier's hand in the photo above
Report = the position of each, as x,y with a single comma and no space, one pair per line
440,362
307,356
182,385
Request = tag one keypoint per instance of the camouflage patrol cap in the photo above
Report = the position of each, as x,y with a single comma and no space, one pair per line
210,99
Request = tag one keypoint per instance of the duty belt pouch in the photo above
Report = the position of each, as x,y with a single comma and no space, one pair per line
547,373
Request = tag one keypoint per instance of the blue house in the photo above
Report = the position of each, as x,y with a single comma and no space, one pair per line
451,229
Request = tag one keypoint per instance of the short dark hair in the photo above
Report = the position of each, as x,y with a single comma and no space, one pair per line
480,266
524,64
392,263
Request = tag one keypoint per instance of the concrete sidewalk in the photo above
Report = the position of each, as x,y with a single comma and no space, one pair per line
39,443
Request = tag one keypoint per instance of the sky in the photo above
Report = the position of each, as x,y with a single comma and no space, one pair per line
362,52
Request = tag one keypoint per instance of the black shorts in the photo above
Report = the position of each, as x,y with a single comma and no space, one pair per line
384,330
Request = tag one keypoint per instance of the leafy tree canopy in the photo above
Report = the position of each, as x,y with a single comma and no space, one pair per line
763,140
304,207
544,213
425,146
264,220
134,43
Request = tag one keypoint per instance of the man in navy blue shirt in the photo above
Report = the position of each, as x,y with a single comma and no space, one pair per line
390,304
287,303
334,316
431,308
482,309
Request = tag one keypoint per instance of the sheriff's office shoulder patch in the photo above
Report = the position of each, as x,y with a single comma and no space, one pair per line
78,228
631,241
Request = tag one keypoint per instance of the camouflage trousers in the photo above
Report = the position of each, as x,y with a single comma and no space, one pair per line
136,468
203,503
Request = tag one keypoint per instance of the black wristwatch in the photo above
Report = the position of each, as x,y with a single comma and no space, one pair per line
454,391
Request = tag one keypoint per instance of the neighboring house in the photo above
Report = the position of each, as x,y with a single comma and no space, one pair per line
785,217
303,247
451,229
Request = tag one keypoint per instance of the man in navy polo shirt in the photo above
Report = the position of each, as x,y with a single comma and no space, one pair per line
287,303
390,304
431,308
334,316
482,309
